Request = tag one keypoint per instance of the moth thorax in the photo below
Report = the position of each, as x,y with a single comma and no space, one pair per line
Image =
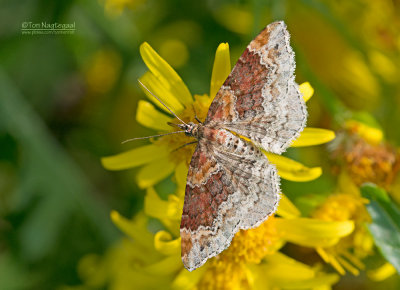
193,130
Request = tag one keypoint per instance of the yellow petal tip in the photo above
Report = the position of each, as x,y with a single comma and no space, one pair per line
303,175
223,46
316,172
294,171
306,90
221,68
115,216
313,136
144,45
107,163
368,133
382,273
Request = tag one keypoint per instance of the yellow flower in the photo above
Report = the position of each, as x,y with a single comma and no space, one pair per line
144,260
383,272
370,134
159,160
277,271
237,267
254,251
346,254
366,157
131,263
372,163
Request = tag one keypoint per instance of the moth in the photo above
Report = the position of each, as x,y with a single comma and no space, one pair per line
231,185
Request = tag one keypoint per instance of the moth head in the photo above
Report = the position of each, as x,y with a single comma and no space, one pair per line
190,128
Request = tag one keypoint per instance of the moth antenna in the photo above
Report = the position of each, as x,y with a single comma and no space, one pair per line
139,138
160,101
174,125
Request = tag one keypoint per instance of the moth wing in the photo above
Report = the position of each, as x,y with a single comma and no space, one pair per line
260,98
225,192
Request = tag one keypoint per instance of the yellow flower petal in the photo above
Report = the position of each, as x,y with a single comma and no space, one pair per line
150,117
353,270
188,280
287,273
221,68
287,209
330,259
167,266
291,170
135,157
155,207
306,90
370,134
353,259
136,228
384,66
165,244
181,172
321,282
167,211
313,233
313,136
382,273
93,271
285,261
154,172
165,74
163,92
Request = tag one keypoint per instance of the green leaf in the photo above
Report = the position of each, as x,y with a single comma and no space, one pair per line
49,175
385,226
373,192
14,276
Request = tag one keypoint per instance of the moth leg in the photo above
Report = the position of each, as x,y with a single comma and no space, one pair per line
195,116
197,119
184,145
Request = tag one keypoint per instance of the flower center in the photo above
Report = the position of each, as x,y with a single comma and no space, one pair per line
228,269
373,163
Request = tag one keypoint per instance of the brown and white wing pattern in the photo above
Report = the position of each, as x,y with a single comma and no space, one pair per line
230,186
260,98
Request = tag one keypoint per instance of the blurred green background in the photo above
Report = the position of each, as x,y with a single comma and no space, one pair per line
67,100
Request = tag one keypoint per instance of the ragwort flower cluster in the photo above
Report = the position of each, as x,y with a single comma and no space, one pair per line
152,260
